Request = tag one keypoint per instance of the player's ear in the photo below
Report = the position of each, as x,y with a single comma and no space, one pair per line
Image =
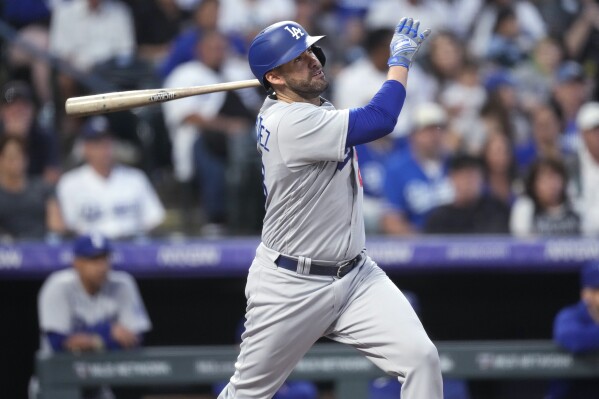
274,77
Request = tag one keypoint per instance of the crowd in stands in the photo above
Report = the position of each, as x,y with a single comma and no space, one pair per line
499,132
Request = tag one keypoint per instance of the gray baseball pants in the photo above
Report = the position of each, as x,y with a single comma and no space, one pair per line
288,312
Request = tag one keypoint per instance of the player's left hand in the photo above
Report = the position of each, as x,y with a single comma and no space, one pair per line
123,336
406,42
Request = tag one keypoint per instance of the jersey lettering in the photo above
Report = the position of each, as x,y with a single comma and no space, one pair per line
125,209
295,32
91,212
262,133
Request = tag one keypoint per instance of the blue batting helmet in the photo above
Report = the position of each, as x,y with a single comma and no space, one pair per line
279,44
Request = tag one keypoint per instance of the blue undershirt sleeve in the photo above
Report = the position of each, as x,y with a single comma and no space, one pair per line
103,330
378,117
575,336
56,340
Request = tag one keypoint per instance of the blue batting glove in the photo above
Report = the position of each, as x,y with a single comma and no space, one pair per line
406,42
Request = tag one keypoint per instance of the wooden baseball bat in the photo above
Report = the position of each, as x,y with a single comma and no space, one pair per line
122,100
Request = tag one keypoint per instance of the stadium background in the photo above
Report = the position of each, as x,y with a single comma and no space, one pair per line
474,303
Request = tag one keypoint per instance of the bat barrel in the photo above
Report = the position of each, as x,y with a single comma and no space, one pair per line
119,101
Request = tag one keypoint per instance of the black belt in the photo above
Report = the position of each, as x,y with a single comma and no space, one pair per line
320,270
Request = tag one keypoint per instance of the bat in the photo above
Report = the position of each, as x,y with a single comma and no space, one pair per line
122,100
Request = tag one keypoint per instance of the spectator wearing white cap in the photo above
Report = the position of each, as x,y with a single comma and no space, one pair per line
587,122
417,181
104,196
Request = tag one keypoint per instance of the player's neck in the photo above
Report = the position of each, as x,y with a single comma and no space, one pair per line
292,97
102,170
90,288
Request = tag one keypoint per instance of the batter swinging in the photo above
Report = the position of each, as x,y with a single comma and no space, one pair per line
312,276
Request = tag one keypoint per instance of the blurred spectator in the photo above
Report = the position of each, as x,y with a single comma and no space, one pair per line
500,168
28,208
373,158
417,182
527,16
544,209
588,173
576,329
30,18
154,44
91,308
463,99
577,22
570,91
546,139
25,12
207,130
509,44
17,119
86,33
203,19
468,10
248,17
432,14
536,76
503,107
106,197
445,59
472,211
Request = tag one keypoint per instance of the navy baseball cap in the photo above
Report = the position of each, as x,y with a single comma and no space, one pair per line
91,246
570,71
498,79
589,276
95,128
16,90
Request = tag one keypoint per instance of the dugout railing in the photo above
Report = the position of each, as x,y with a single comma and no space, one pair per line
63,376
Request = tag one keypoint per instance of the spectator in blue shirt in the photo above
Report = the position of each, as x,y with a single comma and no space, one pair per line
204,19
576,329
417,181
373,158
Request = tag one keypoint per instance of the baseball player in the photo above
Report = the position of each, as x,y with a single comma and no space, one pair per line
311,276
89,307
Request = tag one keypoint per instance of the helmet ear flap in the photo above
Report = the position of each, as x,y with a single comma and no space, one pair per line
319,54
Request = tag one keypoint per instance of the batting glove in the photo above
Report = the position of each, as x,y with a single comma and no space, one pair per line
406,42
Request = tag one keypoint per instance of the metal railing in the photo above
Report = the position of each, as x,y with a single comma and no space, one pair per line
62,376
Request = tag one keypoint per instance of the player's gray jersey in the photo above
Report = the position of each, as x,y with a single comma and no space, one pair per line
311,181
65,307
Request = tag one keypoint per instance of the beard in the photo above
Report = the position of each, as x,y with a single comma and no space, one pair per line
308,89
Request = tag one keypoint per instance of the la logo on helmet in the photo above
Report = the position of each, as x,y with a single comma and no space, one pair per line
295,32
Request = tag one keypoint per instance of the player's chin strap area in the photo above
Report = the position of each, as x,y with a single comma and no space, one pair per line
303,265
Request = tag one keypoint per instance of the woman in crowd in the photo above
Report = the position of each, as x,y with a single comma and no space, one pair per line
28,208
545,210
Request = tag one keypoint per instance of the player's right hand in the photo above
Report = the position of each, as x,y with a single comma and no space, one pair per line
406,42
83,342
123,336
